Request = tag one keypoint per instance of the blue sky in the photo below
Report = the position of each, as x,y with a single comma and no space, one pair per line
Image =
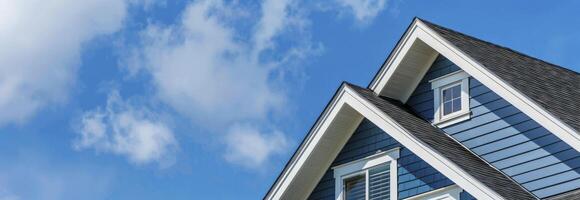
142,99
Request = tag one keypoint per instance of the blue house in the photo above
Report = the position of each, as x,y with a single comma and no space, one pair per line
448,116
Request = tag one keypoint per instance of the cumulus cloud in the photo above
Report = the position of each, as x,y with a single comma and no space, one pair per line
202,71
220,75
249,147
122,129
41,46
363,11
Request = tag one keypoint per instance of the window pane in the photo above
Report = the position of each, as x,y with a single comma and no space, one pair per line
379,184
456,91
355,188
456,104
447,108
446,95
451,99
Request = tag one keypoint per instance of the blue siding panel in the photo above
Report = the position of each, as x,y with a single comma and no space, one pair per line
415,176
505,137
465,196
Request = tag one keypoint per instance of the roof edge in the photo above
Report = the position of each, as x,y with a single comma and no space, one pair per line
347,96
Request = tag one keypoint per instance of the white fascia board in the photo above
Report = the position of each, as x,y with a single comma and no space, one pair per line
397,56
419,30
451,192
307,147
347,97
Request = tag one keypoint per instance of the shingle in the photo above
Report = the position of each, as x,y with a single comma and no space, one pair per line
446,146
572,195
554,88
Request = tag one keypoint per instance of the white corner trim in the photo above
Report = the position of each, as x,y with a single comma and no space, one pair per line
347,97
419,31
357,167
449,192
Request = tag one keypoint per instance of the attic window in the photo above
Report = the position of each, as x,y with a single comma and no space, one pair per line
451,98
370,178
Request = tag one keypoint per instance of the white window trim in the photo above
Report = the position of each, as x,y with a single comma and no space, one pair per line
358,167
449,192
444,82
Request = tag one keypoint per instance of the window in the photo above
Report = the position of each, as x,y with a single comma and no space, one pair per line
355,187
370,178
451,98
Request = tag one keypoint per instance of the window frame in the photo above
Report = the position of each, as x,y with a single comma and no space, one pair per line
438,85
449,192
362,166
442,100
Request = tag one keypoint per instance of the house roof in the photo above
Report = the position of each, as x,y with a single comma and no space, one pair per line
446,146
574,194
555,88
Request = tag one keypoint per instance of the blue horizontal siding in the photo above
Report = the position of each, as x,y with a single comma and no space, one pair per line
466,196
415,176
505,137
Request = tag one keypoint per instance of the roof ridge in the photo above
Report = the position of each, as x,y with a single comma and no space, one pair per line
499,46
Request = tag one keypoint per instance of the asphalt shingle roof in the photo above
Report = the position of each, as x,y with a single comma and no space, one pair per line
572,195
555,88
446,146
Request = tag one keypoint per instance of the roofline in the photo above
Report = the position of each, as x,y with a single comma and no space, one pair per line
502,47
347,96
419,30
310,132
391,54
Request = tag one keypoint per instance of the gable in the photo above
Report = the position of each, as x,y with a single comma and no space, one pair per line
383,105
553,87
505,137
395,75
415,176
350,105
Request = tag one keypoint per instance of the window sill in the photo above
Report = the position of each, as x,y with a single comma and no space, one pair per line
453,119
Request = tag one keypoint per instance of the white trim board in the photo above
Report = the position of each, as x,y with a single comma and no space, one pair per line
387,80
452,191
361,166
438,85
293,185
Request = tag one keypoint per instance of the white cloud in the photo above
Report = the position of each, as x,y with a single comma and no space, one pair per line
363,11
200,70
41,45
122,129
247,146
274,18
219,75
